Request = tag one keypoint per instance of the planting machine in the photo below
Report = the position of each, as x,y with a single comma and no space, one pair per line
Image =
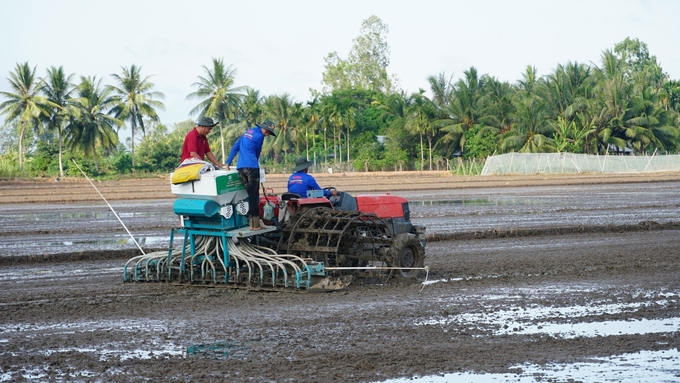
312,242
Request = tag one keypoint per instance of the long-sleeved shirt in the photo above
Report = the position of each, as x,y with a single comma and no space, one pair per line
300,182
248,147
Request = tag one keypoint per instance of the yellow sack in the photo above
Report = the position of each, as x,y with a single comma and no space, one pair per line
187,173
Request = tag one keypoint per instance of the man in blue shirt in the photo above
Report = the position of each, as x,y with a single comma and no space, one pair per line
248,147
299,182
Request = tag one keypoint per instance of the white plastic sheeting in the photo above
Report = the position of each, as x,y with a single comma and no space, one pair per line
557,163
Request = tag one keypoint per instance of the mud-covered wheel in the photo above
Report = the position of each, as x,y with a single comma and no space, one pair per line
408,252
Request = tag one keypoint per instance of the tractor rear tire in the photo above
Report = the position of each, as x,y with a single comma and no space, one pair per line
408,252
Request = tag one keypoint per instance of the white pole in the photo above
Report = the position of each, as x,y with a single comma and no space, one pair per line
650,159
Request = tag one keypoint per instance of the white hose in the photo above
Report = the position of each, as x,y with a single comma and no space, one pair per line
245,254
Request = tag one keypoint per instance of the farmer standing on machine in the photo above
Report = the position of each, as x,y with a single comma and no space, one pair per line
196,143
248,147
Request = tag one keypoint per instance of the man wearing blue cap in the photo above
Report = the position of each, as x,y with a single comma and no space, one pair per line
248,147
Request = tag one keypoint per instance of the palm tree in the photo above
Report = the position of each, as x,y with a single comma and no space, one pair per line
496,103
136,100
568,136
442,90
465,109
311,117
297,122
527,86
92,125
420,114
567,89
57,87
252,108
332,120
25,104
280,109
349,120
219,97
531,132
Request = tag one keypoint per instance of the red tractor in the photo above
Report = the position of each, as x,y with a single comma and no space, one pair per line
345,231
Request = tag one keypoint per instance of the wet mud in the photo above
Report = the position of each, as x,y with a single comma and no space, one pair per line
507,264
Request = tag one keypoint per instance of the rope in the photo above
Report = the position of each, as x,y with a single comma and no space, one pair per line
110,207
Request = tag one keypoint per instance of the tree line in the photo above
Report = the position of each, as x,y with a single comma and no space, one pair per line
359,120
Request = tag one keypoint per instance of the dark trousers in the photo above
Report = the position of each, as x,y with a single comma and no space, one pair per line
251,179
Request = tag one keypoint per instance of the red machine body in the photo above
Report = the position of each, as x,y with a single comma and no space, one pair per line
345,230
384,206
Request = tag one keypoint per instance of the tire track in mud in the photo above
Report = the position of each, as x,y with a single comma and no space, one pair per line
548,231
433,237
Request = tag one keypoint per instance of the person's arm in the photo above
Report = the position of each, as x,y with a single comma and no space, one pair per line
211,158
258,146
313,185
233,152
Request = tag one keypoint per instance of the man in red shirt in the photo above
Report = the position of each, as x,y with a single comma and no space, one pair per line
196,143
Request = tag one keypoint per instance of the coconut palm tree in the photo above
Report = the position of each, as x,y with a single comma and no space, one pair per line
442,90
26,104
531,132
252,107
465,109
297,123
280,109
135,100
496,103
311,118
331,122
57,87
349,120
218,96
92,126
419,118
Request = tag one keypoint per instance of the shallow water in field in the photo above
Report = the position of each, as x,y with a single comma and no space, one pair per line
55,229
598,303
644,366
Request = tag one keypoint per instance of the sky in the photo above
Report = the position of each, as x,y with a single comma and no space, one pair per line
279,47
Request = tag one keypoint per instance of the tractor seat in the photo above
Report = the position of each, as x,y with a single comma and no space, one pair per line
288,195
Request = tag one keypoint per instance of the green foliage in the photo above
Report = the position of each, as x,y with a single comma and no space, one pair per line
160,152
366,65
358,123
85,164
368,154
45,156
479,143
468,167
9,165
123,163
135,99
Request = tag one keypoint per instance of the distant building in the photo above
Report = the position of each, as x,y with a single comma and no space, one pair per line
620,151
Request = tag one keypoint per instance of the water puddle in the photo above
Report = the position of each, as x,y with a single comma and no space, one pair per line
86,215
643,366
549,320
120,241
593,329
478,202
222,350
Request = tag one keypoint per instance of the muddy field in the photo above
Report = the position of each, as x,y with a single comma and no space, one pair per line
537,278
